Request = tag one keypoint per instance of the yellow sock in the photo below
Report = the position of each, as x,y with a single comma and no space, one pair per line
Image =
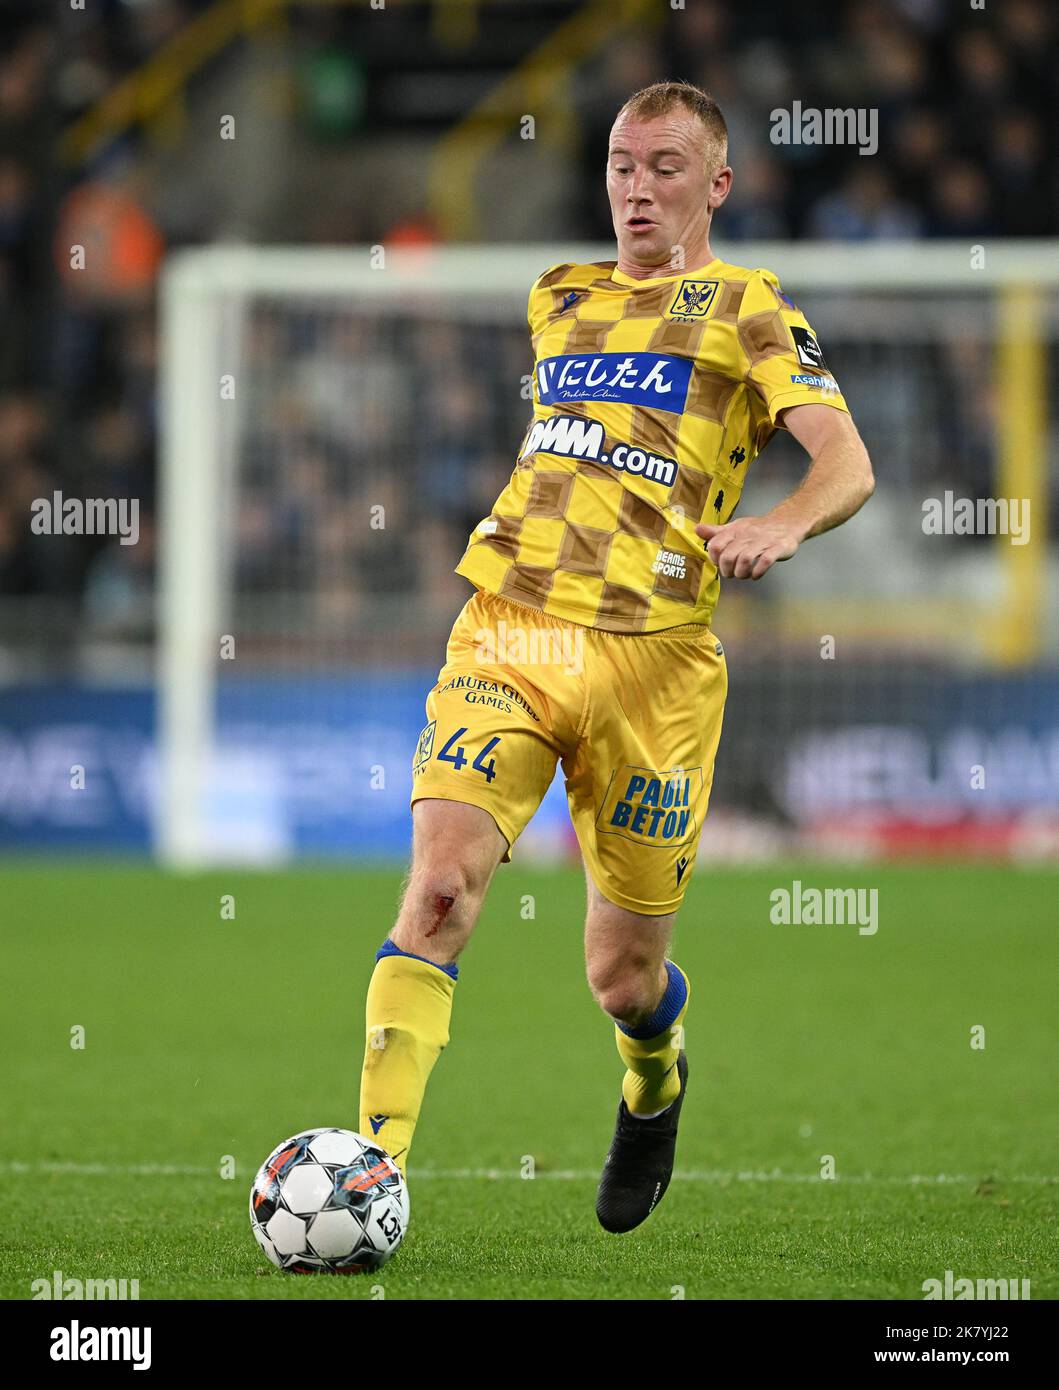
407,1016
650,1052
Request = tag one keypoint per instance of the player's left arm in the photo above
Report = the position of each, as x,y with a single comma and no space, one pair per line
838,483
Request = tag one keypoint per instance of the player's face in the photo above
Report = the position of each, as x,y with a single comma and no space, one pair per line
662,187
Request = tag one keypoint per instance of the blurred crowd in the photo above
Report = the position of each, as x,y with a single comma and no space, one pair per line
966,101
360,488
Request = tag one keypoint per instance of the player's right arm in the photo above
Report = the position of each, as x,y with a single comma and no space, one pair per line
783,366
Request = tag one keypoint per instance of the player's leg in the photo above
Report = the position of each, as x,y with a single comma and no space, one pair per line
486,758
455,851
638,787
646,995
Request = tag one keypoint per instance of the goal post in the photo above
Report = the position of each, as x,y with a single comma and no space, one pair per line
235,324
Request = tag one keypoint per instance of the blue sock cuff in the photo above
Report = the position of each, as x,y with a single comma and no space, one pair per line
674,999
389,949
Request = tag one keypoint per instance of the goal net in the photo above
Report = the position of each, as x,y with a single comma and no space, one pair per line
335,423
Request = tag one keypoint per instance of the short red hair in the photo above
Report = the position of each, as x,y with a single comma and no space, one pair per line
663,97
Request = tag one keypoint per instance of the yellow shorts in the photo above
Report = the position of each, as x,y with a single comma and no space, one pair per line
634,720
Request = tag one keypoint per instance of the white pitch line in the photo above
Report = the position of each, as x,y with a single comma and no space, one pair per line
718,1176
96,1170
722,1177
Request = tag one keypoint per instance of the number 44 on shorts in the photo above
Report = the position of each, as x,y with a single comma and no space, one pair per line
454,752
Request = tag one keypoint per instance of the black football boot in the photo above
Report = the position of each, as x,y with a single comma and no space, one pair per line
640,1163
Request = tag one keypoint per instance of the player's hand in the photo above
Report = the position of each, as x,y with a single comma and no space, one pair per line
749,547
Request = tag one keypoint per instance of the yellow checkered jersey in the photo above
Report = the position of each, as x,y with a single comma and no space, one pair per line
651,400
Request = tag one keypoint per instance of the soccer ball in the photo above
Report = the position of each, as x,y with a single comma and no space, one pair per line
329,1200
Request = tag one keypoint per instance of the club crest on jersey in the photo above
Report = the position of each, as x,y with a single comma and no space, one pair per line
425,746
693,299
651,807
652,379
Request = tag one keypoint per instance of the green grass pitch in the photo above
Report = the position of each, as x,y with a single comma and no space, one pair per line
206,1038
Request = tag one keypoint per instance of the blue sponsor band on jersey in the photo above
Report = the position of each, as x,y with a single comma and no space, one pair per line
651,379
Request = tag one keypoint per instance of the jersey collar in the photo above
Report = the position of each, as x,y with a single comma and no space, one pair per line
696,273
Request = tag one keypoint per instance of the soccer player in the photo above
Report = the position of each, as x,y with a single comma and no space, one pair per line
587,642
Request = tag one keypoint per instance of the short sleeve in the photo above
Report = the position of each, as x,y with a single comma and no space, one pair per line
784,364
539,304
531,304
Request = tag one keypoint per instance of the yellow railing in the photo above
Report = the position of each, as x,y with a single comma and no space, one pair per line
1022,473
155,91
153,95
539,85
